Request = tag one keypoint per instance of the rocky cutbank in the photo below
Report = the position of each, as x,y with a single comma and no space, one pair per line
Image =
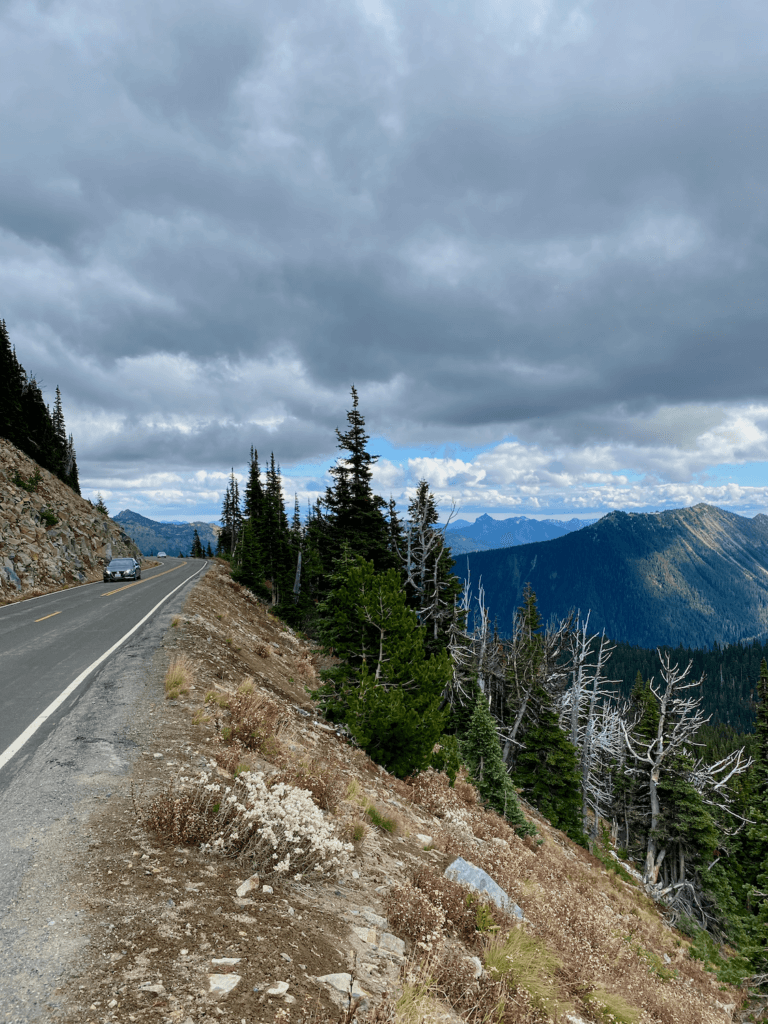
50,537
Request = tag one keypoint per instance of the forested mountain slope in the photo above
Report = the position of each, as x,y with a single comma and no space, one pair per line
151,536
486,533
690,576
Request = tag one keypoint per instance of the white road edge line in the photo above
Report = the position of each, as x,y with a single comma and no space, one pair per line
19,742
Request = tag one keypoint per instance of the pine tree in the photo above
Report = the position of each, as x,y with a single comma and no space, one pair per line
208,551
197,547
101,505
481,752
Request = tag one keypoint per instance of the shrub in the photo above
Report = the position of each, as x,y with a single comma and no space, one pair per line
276,828
413,916
461,906
48,516
27,483
380,820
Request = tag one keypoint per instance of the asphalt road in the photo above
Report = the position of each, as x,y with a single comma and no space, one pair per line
79,758
48,643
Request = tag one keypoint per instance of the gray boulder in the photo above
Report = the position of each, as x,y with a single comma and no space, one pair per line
468,874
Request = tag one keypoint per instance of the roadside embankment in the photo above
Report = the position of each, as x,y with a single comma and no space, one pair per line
266,870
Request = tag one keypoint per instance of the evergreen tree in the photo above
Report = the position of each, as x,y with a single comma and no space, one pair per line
354,513
208,551
386,690
101,505
481,752
432,587
197,547
26,421
248,568
547,774
757,849
11,386
546,765
252,500
231,518
273,537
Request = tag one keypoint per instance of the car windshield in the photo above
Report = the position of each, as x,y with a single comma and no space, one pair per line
121,563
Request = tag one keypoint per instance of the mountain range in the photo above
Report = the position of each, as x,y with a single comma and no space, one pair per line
151,536
487,533
691,576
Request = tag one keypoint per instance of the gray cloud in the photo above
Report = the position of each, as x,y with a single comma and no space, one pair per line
546,221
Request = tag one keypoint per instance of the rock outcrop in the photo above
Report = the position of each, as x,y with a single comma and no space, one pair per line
50,537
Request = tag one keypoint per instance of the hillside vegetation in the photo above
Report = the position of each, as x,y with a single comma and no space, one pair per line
689,576
381,935
422,680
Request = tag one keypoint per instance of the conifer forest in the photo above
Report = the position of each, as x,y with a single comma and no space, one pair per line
421,679
28,423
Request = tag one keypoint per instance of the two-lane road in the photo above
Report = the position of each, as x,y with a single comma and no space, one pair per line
50,646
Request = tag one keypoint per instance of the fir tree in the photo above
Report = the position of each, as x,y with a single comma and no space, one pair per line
354,512
757,849
273,539
231,517
546,766
101,505
197,547
481,752
208,551
26,421
432,587
386,689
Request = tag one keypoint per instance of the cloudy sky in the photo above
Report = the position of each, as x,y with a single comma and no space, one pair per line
532,233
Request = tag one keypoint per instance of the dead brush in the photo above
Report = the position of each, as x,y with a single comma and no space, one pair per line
178,677
184,816
413,916
262,650
467,914
323,781
256,721
433,791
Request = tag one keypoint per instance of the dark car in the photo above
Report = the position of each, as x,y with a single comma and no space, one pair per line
122,569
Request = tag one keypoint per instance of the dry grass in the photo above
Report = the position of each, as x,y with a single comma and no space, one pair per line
179,677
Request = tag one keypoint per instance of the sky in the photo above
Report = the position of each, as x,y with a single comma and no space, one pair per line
533,235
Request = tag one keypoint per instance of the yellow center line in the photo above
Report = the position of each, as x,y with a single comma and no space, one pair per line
111,592
47,617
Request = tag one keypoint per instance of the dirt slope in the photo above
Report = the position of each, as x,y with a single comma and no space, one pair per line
592,948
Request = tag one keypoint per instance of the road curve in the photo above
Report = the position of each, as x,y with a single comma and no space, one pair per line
48,643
